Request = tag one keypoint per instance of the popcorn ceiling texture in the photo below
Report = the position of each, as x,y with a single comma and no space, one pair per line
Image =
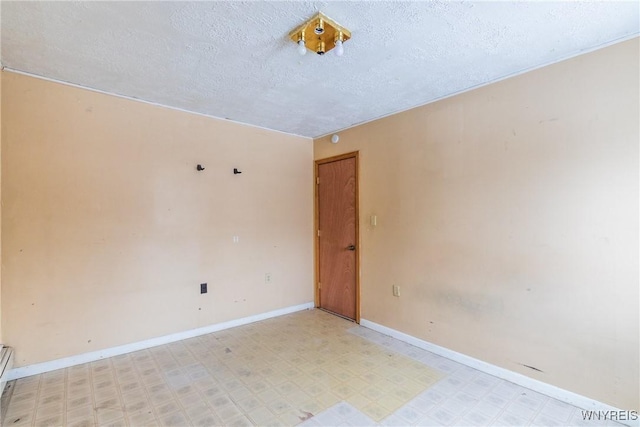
234,60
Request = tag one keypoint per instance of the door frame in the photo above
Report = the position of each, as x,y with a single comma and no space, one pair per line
316,224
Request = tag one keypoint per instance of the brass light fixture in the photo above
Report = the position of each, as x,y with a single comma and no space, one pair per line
320,34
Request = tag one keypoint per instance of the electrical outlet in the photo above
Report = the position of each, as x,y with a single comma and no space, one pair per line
203,288
267,278
396,290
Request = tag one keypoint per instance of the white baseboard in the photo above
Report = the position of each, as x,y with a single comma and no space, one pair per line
514,377
66,362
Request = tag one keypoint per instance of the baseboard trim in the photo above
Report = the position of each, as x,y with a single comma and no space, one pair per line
514,377
39,368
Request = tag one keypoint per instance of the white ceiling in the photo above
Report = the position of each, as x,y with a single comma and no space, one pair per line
233,59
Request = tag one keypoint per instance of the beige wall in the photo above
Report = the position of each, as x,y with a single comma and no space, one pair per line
509,217
109,230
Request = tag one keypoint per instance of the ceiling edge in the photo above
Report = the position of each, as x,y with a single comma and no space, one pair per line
25,73
505,77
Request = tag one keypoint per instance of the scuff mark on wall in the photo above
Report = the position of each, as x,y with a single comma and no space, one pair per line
531,367
473,303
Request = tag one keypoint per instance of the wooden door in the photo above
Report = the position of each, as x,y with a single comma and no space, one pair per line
337,241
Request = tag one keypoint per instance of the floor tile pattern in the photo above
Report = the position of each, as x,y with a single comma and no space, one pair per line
469,397
279,371
308,368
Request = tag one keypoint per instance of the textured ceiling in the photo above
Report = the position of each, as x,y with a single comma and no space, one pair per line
233,59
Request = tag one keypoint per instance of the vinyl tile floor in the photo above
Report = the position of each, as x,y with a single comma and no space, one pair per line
308,368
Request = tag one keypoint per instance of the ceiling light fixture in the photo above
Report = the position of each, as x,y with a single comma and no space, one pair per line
320,34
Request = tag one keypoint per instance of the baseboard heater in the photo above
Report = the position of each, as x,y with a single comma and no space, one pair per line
6,363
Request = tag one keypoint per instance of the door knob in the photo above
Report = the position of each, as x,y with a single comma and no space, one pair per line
351,247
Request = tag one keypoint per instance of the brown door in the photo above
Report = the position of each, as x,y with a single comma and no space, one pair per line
337,212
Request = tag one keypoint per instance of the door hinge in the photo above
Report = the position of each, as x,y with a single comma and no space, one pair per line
317,180
318,233
319,285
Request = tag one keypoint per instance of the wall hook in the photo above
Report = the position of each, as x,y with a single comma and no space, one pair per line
236,171
199,168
